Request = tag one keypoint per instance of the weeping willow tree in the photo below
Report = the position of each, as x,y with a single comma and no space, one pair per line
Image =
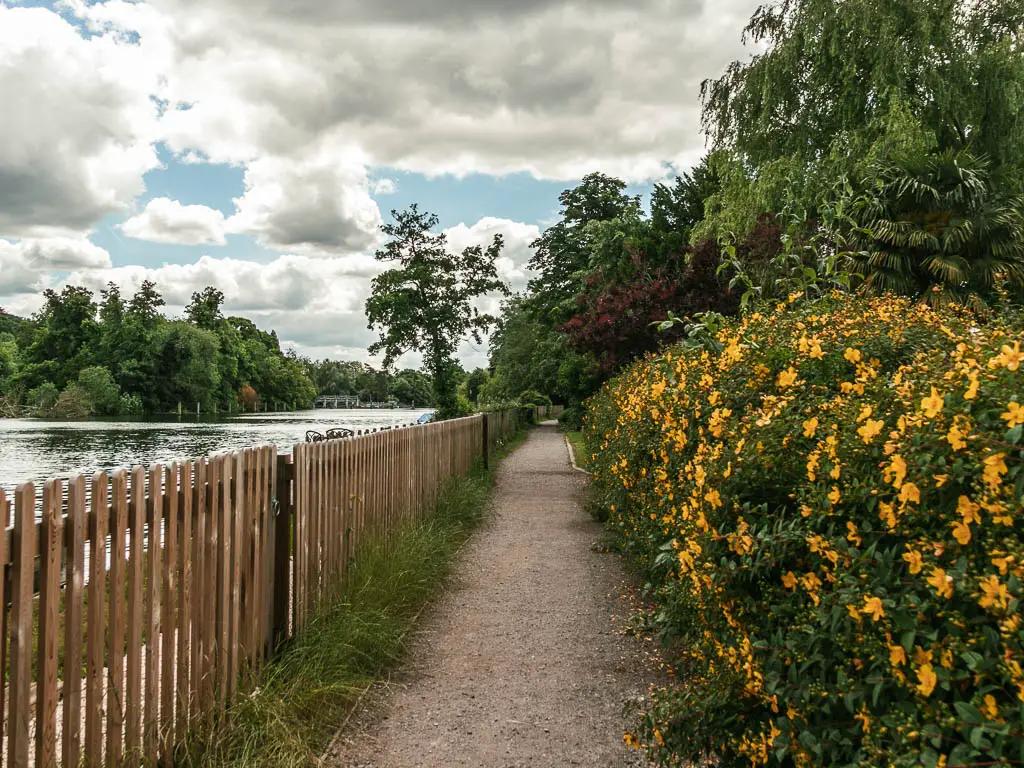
932,226
843,84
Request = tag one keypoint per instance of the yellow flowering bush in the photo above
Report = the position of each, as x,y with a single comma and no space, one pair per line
828,500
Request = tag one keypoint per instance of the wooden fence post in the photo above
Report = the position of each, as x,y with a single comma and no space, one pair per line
282,549
486,446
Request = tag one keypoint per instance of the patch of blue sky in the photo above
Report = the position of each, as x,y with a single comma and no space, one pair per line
467,199
214,185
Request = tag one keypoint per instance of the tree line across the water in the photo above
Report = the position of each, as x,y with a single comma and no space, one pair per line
120,356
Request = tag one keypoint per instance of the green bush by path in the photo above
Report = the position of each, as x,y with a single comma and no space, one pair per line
828,501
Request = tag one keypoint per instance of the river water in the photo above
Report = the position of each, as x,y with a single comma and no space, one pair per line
37,450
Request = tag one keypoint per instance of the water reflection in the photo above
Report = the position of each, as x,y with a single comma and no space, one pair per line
36,450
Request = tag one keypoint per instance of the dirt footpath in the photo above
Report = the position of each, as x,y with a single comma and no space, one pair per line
521,662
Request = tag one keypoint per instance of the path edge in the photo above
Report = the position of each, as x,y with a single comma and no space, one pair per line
572,457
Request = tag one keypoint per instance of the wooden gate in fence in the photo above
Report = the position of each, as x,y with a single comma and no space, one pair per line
138,605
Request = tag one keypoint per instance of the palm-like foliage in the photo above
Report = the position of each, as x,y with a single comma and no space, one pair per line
931,227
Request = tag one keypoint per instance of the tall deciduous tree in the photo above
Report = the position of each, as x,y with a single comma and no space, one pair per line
836,71
204,310
425,303
844,84
563,254
64,339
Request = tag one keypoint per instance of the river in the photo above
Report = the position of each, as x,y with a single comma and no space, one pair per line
36,450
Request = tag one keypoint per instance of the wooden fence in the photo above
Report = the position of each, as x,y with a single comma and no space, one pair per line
144,602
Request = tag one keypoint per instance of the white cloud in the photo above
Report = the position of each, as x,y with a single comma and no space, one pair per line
553,87
168,221
289,283
26,265
78,124
384,187
319,202
512,265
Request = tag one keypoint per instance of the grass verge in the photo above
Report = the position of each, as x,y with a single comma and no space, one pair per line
579,449
351,643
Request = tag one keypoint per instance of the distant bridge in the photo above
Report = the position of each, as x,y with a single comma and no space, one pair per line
350,401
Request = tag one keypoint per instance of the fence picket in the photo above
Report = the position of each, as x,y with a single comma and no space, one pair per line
50,550
133,697
154,516
168,609
22,589
5,517
96,622
183,694
73,604
117,708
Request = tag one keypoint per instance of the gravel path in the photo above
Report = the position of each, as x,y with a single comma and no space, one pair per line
520,663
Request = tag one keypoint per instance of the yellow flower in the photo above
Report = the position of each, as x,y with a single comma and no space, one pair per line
1010,357
854,613
972,389
897,656
956,438
789,580
786,378
887,514
995,468
813,461
873,608
852,355
991,709
961,532
943,584
994,594
834,495
968,510
932,404
940,480
810,427
1014,415
870,429
816,352
864,718
865,412
910,492
853,534
896,471
926,680
914,560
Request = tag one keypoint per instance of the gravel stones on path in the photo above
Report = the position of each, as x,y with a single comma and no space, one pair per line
520,662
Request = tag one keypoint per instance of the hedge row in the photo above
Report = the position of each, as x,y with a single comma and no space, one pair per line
828,499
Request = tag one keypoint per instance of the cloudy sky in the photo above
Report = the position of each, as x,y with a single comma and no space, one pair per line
257,145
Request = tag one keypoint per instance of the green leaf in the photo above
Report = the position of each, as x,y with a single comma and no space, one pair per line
968,712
